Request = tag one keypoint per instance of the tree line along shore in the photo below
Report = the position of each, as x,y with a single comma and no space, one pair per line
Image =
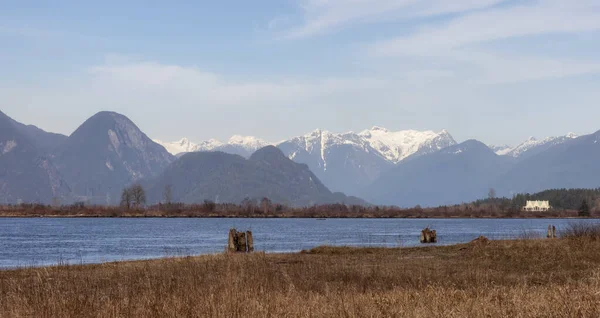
212,210
566,203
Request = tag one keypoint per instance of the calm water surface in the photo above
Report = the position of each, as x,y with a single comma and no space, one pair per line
47,241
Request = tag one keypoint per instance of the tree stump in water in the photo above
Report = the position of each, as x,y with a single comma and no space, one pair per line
551,231
250,241
240,242
428,236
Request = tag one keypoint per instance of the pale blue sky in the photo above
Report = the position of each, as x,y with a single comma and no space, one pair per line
494,70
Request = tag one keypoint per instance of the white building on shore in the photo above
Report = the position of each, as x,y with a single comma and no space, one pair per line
535,206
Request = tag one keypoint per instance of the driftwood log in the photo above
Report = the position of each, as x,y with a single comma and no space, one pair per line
240,242
428,236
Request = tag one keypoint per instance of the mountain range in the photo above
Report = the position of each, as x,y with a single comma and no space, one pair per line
345,162
239,145
222,177
108,152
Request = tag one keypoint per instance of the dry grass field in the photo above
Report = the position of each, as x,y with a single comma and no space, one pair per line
521,278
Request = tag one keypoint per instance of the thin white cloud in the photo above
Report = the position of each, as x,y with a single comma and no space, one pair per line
151,79
462,44
182,98
544,17
492,68
322,16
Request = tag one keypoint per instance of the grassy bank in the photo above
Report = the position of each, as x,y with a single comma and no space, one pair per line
523,278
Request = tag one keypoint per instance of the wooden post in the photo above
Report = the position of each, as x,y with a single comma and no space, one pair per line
549,231
242,246
241,242
232,245
250,241
428,236
553,231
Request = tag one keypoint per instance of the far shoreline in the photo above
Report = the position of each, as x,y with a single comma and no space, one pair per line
75,216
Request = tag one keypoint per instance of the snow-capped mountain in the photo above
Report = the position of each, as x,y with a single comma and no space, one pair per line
501,150
349,161
239,145
343,161
533,146
181,146
244,146
318,143
396,146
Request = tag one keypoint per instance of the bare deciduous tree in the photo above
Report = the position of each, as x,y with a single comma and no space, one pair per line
138,195
126,199
265,205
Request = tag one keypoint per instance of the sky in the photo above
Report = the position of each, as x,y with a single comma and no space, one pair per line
497,71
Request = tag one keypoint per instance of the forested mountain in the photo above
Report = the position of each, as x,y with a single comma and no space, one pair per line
571,164
26,173
221,177
107,153
456,174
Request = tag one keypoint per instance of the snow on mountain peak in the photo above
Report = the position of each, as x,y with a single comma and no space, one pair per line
390,145
501,150
248,142
208,145
377,128
532,142
397,146
571,135
184,145
181,146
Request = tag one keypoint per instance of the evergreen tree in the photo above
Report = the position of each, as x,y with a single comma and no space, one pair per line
584,210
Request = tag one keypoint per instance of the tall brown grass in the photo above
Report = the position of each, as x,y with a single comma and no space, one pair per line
528,278
582,231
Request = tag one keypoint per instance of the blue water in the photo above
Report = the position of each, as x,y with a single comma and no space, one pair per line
49,241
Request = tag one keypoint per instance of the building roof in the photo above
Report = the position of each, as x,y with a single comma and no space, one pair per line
538,204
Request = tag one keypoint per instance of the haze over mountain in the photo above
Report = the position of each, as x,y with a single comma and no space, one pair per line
455,174
223,177
239,145
109,152
344,162
572,163
42,140
26,174
532,146
467,171
105,154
